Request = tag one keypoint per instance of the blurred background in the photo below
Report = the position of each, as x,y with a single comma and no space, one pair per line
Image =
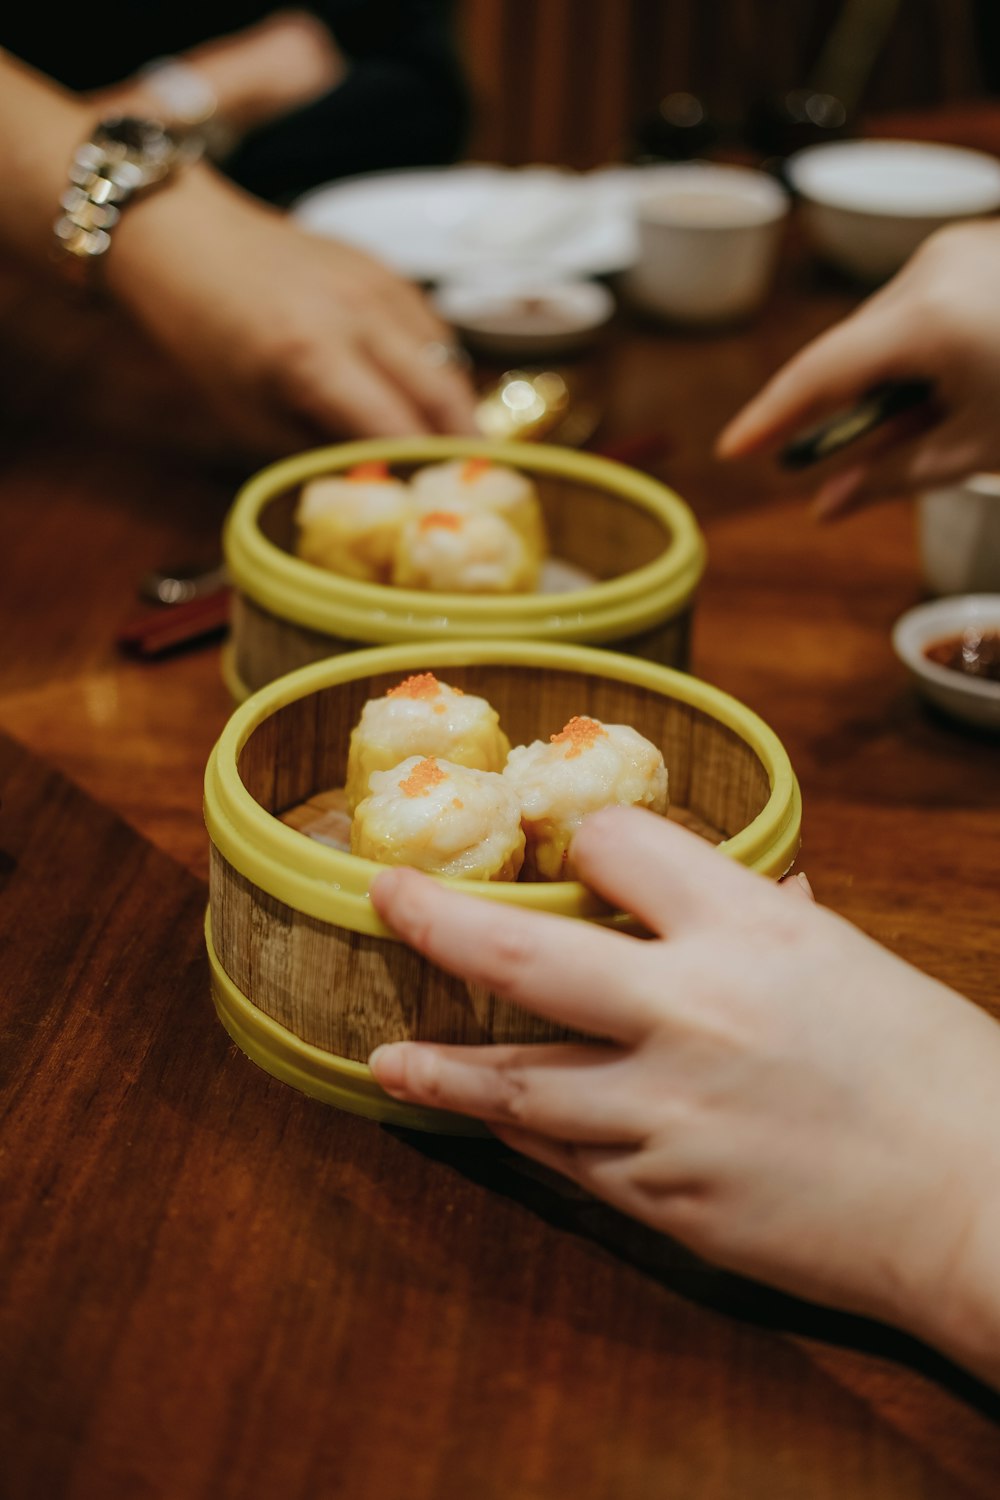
581,82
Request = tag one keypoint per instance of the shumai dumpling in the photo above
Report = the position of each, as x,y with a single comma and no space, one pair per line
437,816
586,766
350,523
481,485
464,552
422,716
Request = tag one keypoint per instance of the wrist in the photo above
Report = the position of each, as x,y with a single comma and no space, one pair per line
122,158
947,1290
965,1323
168,242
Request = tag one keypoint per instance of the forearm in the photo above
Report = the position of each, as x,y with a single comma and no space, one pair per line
40,126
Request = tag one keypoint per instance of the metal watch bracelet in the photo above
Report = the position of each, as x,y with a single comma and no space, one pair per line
123,157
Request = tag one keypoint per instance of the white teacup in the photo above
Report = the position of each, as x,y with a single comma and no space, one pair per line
958,532
708,236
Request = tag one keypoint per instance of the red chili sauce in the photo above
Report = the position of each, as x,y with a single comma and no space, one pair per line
973,651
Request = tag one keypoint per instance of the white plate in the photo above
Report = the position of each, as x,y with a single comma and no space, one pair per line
974,699
461,221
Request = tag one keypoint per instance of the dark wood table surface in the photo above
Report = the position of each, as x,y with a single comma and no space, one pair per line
211,1286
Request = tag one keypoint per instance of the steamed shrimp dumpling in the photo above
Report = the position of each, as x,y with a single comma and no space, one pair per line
481,485
350,523
586,766
422,716
443,818
464,551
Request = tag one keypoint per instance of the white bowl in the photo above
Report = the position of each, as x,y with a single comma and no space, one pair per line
526,317
868,204
974,699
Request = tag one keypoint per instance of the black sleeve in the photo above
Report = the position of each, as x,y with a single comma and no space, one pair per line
403,103
987,14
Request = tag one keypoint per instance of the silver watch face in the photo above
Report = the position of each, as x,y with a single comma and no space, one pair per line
146,144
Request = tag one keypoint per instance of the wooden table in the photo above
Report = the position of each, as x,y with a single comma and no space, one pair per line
211,1286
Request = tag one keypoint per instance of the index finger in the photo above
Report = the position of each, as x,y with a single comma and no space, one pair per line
571,972
667,876
833,371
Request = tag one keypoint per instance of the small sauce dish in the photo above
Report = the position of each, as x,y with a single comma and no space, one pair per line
525,318
971,620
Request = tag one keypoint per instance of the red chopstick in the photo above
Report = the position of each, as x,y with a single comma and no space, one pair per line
176,626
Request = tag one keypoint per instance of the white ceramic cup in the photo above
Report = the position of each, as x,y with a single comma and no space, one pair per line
958,534
708,236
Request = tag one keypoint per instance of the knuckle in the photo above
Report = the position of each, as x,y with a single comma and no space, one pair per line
934,303
513,1097
423,1077
419,928
413,917
432,1089
291,365
509,957
692,1216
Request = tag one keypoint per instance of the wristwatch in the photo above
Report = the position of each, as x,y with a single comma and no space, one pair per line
124,156
187,101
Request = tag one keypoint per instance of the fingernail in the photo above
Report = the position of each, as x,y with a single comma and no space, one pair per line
388,1065
803,880
384,895
383,882
729,443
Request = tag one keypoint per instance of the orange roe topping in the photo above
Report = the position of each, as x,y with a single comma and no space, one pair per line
420,780
364,473
457,802
579,734
473,468
420,685
445,520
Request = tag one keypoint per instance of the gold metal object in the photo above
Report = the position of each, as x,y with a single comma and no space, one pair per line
523,405
532,405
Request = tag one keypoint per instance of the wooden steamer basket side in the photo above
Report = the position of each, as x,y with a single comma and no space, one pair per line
305,976
633,535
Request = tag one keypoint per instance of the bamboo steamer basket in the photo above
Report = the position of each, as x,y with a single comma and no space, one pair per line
306,978
633,535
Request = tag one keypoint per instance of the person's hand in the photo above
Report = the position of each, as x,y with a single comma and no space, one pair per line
291,339
255,75
938,319
770,1086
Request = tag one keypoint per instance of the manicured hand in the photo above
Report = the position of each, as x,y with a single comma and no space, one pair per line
938,319
766,1084
290,339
